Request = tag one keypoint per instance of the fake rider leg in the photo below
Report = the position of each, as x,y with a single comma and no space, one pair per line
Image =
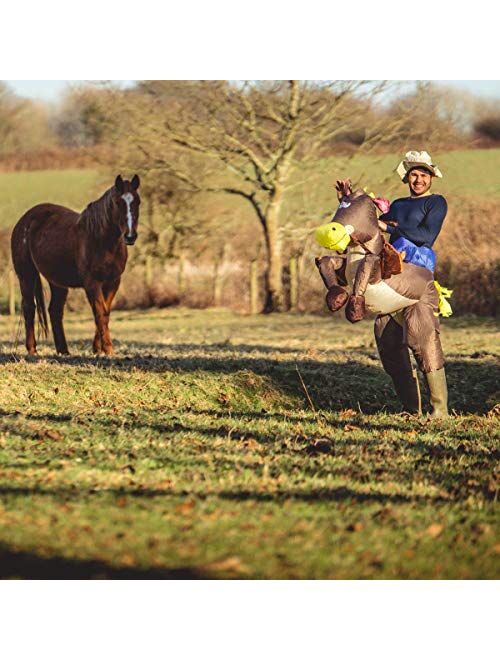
332,271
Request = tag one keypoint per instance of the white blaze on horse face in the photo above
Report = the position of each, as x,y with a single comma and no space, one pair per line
128,198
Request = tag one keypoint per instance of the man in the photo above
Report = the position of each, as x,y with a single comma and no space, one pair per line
413,224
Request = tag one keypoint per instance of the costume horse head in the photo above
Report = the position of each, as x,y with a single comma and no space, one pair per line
369,275
74,250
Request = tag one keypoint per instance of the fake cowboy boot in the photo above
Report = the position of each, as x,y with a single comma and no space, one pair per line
408,391
438,390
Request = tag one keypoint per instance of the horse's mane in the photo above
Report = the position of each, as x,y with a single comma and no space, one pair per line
97,216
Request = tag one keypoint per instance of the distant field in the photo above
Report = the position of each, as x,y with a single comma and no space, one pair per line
19,191
196,452
466,173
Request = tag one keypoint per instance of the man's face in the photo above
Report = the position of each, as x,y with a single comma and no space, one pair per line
420,181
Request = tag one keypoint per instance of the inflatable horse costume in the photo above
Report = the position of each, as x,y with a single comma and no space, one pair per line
370,275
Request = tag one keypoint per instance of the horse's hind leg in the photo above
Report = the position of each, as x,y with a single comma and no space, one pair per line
27,285
56,312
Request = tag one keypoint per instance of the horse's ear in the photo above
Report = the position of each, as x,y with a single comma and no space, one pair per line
136,182
119,184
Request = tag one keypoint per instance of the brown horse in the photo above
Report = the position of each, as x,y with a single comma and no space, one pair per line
75,250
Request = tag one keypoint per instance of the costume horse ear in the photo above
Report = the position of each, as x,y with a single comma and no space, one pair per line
119,185
136,182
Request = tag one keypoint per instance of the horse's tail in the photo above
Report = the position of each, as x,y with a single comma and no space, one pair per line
27,272
41,309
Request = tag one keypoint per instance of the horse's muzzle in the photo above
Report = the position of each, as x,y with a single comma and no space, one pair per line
130,240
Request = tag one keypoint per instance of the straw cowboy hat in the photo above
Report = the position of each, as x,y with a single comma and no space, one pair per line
414,159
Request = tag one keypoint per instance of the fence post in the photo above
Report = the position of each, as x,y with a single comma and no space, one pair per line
254,287
181,280
217,284
149,271
12,293
219,263
294,284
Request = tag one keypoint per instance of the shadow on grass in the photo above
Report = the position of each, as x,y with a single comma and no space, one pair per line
338,494
332,385
31,566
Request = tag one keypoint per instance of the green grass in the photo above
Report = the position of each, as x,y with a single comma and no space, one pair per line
196,453
470,173
19,191
466,173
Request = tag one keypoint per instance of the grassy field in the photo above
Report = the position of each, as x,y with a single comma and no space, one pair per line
19,191
220,446
472,172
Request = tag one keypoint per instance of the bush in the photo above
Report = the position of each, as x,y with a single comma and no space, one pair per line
488,128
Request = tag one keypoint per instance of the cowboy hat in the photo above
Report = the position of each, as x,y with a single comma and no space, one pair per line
414,159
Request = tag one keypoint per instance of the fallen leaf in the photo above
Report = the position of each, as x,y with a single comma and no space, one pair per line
231,565
185,508
51,434
434,530
347,414
252,444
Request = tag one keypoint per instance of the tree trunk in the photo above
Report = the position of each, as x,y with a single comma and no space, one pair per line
273,281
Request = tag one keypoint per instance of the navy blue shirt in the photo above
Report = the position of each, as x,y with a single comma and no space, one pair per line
419,219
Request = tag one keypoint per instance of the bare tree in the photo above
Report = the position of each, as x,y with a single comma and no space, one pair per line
254,140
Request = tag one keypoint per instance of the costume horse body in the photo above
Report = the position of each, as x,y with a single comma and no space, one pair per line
370,276
75,250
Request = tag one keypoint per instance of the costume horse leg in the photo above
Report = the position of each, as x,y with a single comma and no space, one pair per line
423,338
395,358
415,328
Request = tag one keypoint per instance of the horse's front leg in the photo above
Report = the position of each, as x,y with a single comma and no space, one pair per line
102,340
332,270
109,290
368,271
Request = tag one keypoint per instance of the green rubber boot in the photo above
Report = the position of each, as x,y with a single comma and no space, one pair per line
438,390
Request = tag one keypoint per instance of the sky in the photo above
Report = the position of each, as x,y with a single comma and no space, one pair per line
52,90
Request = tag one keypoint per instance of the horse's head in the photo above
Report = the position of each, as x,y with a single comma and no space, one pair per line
355,222
127,201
